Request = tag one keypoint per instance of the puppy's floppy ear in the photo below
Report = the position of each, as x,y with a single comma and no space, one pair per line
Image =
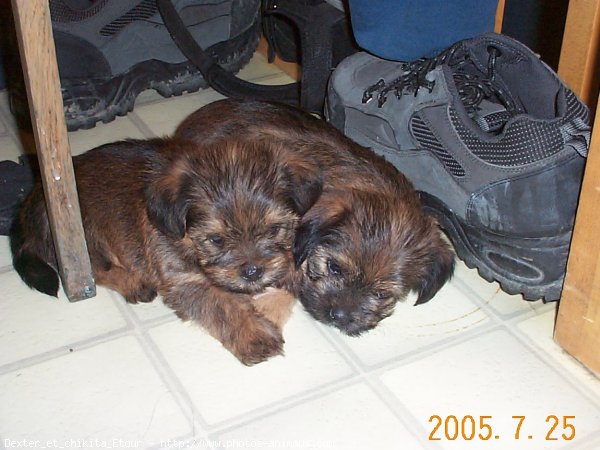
304,185
437,272
167,196
316,225
306,238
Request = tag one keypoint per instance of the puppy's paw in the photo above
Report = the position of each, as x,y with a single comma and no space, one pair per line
144,294
258,340
274,304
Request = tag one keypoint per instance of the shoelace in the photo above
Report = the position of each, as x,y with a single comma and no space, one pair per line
472,89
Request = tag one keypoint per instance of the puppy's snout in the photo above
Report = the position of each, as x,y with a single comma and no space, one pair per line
337,314
252,272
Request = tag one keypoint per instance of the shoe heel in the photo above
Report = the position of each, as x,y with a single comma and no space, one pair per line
532,267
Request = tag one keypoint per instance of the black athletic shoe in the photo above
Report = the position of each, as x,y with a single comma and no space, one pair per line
492,138
16,181
109,51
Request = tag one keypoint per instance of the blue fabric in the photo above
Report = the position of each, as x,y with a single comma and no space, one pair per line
405,30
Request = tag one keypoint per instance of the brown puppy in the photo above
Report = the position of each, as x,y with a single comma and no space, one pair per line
205,226
366,243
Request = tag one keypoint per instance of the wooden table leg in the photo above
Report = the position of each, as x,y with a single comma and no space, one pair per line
38,58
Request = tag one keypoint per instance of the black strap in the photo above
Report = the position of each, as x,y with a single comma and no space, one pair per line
315,24
316,55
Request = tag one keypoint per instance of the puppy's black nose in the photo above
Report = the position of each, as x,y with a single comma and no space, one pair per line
337,314
250,272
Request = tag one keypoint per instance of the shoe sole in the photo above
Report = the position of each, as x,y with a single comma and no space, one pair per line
532,267
87,102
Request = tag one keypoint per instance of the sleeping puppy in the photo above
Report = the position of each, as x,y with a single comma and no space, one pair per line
207,226
365,243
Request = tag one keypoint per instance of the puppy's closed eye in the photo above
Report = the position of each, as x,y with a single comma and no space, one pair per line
382,295
216,239
274,230
334,268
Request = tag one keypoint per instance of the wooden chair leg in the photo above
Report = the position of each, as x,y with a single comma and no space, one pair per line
38,57
578,322
580,52
499,16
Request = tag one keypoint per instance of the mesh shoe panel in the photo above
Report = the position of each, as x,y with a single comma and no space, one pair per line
143,11
425,137
61,12
523,142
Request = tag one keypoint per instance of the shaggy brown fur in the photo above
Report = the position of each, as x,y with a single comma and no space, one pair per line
205,225
366,243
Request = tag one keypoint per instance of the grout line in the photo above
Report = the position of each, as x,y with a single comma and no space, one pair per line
64,350
420,352
172,381
391,401
5,269
272,409
261,78
591,442
510,324
157,321
405,415
389,397
398,410
432,349
402,413
284,403
281,404
485,303
566,374
545,309
141,125
362,372
162,367
395,406
343,350
370,374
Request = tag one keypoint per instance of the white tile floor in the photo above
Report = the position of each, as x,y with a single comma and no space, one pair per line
104,373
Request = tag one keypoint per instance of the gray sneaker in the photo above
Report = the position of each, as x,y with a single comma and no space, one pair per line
494,141
108,51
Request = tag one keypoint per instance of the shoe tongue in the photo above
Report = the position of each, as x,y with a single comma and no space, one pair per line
481,105
490,117
478,92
